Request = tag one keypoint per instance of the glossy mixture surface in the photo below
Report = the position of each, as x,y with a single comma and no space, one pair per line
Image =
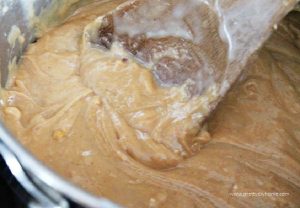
99,121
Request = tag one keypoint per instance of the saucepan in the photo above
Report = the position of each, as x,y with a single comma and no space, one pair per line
20,21
43,187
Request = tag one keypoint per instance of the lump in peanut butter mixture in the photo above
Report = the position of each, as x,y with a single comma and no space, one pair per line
102,122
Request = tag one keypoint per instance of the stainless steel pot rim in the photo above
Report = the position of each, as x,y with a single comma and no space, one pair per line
49,177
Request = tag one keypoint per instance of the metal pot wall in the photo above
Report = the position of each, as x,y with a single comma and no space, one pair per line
41,185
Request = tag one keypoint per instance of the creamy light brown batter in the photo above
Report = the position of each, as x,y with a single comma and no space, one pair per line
96,119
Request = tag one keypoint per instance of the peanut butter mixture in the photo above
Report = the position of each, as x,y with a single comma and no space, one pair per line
103,122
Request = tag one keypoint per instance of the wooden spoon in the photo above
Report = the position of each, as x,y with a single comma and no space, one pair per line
201,44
